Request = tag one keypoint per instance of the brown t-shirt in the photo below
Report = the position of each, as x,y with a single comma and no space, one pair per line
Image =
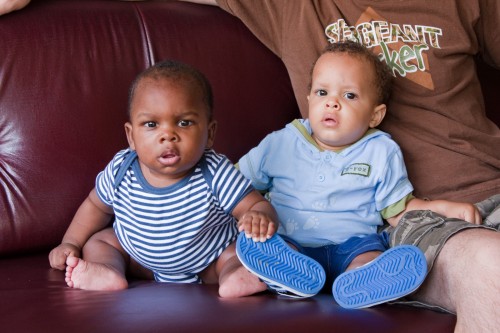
436,114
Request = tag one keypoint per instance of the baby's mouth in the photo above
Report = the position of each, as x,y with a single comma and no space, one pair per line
169,157
330,121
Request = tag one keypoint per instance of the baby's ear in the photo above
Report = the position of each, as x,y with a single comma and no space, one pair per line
212,129
378,115
130,137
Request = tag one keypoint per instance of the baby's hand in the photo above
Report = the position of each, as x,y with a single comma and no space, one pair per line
58,255
257,225
464,211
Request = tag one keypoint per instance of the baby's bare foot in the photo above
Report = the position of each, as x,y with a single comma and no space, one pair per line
239,283
86,275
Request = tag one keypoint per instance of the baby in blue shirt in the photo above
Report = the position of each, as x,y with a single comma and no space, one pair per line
334,178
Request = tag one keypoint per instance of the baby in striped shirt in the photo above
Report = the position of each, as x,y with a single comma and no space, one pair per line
177,206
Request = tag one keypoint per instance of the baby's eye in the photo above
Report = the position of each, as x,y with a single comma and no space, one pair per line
350,95
150,124
184,123
321,92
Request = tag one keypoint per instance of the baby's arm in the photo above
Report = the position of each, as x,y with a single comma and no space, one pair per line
92,216
256,216
460,210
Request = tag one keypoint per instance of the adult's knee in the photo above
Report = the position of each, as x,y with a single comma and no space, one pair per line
476,252
485,257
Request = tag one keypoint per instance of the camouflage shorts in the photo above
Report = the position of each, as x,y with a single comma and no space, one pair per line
429,231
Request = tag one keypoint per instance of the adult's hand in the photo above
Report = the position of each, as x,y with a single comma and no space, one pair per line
7,6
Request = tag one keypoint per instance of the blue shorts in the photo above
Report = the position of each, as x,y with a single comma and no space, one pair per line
335,258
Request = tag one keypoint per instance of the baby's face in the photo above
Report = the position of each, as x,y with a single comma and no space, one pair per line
169,129
343,101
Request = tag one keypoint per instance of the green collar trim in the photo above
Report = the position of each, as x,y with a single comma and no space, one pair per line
305,133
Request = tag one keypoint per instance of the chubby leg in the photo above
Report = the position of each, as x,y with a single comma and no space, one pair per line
103,265
234,280
466,280
363,259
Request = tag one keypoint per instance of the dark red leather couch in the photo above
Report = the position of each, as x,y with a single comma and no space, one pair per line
65,69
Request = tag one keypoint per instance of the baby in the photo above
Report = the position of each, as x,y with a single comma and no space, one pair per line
177,205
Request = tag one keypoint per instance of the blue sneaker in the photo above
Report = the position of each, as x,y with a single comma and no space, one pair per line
397,272
284,270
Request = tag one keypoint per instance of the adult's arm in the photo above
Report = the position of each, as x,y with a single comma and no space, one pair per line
488,32
7,6
203,2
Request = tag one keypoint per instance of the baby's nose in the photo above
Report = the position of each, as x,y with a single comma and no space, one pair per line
333,105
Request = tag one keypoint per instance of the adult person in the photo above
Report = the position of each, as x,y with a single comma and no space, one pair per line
437,116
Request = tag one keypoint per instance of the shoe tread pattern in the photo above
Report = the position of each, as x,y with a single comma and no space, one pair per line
281,267
395,273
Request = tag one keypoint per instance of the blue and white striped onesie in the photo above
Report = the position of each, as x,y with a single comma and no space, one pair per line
176,231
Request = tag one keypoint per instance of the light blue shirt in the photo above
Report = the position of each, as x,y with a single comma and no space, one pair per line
324,197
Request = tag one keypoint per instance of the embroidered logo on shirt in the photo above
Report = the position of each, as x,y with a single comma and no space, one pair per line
360,169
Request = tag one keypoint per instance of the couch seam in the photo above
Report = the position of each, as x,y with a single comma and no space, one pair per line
148,51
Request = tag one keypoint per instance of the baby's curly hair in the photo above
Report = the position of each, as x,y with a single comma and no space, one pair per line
383,75
177,71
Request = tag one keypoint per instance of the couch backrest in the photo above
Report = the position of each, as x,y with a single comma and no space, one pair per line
65,70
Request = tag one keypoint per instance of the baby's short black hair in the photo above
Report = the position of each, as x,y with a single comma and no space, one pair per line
176,71
383,75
